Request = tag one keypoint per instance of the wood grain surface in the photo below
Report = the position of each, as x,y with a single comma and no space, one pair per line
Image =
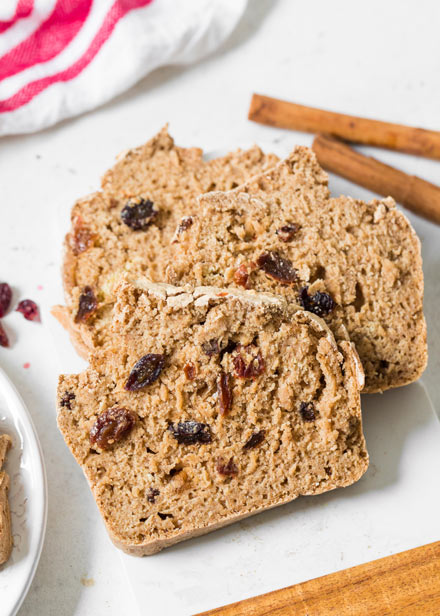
403,584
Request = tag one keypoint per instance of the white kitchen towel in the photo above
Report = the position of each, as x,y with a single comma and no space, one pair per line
59,58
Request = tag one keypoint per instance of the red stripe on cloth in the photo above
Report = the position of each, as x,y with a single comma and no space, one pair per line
28,92
50,38
22,10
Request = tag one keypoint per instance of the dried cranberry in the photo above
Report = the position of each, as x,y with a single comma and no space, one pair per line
145,371
254,368
319,303
29,310
151,495
67,399
5,298
81,238
86,306
224,390
139,214
190,432
228,469
112,426
4,340
287,232
211,347
307,411
256,439
185,224
277,267
241,276
190,371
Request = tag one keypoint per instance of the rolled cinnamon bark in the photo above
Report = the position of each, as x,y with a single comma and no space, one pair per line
419,196
283,114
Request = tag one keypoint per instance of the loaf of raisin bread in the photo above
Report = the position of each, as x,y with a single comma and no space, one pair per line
356,264
5,515
208,405
128,225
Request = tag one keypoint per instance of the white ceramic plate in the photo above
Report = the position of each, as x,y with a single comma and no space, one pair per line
27,497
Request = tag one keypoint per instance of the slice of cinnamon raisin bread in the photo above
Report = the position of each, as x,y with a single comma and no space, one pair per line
128,225
5,514
207,406
355,264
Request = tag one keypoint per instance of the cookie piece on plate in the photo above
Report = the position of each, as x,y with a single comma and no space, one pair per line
209,405
128,225
5,515
356,264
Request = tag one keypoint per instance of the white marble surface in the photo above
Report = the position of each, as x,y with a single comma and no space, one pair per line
375,59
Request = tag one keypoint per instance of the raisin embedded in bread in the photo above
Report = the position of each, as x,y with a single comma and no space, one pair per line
356,264
5,515
128,226
209,405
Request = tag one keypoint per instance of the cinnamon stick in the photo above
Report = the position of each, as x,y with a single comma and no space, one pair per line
283,114
419,196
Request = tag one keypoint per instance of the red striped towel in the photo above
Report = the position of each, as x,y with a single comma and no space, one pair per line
59,58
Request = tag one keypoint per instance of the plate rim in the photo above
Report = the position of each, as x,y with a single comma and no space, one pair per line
14,400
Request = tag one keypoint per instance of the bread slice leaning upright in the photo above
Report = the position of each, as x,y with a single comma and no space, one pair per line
209,405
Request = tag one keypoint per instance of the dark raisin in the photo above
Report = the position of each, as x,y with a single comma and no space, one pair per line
139,214
224,390
277,267
241,276
328,470
251,367
190,432
190,371
307,411
211,347
145,371
150,450
164,516
86,306
286,233
5,298
29,310
81,238
185,224
66,399
228,469
151,495
256,439
4,340
319,303
112,426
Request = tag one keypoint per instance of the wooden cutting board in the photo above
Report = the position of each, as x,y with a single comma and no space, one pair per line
403,584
